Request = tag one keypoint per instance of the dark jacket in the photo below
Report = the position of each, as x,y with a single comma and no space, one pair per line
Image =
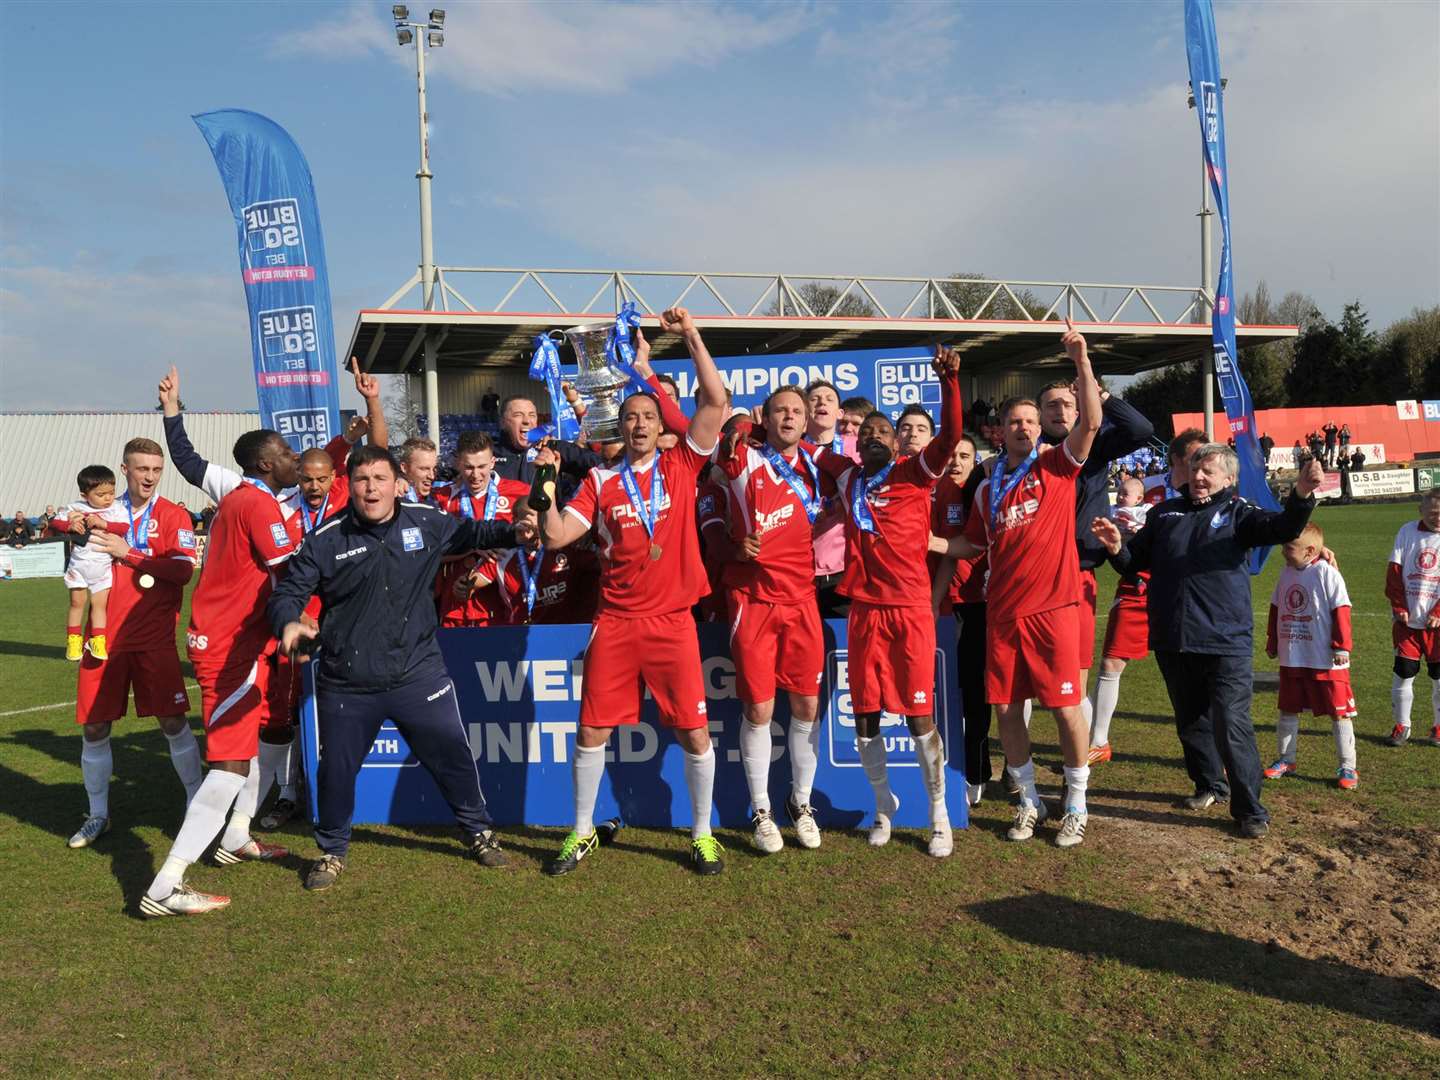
513,464
377,583
1199,597
1123,430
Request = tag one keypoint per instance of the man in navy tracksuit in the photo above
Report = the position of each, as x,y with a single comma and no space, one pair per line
1202,619
373,565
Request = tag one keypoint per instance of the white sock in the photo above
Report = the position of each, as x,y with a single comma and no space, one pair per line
700,776
237,833
274,766
1076,781
872,756
1287,731
1024,777
1107,695
185,756
1344,731
930,752
1402,696
589,768
755,746
203,819
97,762
803,742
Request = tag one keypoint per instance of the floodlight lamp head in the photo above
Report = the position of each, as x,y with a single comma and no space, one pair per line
435,38
401,12
437,17
404,35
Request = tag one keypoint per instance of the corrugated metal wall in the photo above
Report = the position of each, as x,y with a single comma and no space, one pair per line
40,453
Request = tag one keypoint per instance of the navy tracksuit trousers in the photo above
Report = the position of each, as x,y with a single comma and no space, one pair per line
428,716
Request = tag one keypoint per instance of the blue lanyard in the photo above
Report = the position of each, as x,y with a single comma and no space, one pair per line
310,523
791,477
860,498
492,497
530,576
837,444
649,517
1001,487
138,535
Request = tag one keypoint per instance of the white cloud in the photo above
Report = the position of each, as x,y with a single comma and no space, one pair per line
596,47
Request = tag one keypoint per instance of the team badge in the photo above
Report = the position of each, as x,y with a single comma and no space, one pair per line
279,534
412,539
561,560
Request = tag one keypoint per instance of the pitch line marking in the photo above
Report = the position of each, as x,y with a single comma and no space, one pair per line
63,704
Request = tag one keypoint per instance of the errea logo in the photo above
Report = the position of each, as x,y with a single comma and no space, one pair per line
1067,687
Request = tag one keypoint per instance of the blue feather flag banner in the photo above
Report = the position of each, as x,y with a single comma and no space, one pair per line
282,265
1206,85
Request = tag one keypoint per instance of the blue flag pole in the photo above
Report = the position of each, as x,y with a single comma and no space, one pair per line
1209,93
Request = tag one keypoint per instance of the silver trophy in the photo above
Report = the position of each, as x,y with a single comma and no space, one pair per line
599,383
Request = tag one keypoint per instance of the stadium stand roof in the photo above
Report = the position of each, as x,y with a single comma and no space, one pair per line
40,452
998,325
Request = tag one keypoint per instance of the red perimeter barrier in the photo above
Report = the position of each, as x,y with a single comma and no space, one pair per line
1404,439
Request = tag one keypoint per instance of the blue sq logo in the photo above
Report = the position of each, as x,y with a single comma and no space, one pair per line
412,539
899,745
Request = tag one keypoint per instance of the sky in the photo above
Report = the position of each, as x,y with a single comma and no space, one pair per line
1035,140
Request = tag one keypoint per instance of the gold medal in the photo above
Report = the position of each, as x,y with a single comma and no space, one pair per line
146,581
654,552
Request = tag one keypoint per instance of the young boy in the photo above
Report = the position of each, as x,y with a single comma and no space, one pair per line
1309,633
1412,585
88,574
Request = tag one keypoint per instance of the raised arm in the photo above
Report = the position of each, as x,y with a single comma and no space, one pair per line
675,421
1087,396
936,455
1124,430
215,480
368,387
710,414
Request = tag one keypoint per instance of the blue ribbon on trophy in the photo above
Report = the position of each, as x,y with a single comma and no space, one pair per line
545,367
622,353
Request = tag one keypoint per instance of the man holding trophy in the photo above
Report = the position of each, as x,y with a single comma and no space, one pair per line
641,512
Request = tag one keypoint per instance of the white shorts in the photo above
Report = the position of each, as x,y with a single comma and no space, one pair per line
89,574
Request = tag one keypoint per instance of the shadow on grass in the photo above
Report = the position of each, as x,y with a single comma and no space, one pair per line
1092,930
29,648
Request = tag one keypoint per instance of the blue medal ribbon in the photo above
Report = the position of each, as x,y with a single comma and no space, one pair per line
1001,487
621,352
545,367
309,523
138,533
860,498
786,471
530,577
649,516
837,445
492,497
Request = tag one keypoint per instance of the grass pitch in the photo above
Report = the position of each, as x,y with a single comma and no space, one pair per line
1162,945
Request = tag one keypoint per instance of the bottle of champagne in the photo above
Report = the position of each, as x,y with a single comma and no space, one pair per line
542,489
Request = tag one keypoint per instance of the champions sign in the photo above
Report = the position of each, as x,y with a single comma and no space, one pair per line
282,264
519,692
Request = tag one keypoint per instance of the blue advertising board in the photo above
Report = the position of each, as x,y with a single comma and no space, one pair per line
519,692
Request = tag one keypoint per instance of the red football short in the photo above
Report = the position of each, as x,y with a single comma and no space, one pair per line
278,711
1127,631
1085,610
1413,644
624,656
775,645
103,692
1034,656
1301,691
232,699
892,659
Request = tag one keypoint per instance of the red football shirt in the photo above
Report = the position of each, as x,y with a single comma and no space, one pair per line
951,510
479,608
139,619
1033,562
566,588
632,584
765,505
249,540
458,500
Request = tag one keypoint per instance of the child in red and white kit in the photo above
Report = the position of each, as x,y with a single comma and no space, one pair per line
1310,635
88,575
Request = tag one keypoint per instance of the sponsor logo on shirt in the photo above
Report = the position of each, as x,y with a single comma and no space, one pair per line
952,514
198,642
1295,598
1427,559
185,538
1067,687
279,534
352,551
412,539
774,519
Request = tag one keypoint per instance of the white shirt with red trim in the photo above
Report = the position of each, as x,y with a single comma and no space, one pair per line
1307,602
1033,562
250,539
632,583
1417,554
763,504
